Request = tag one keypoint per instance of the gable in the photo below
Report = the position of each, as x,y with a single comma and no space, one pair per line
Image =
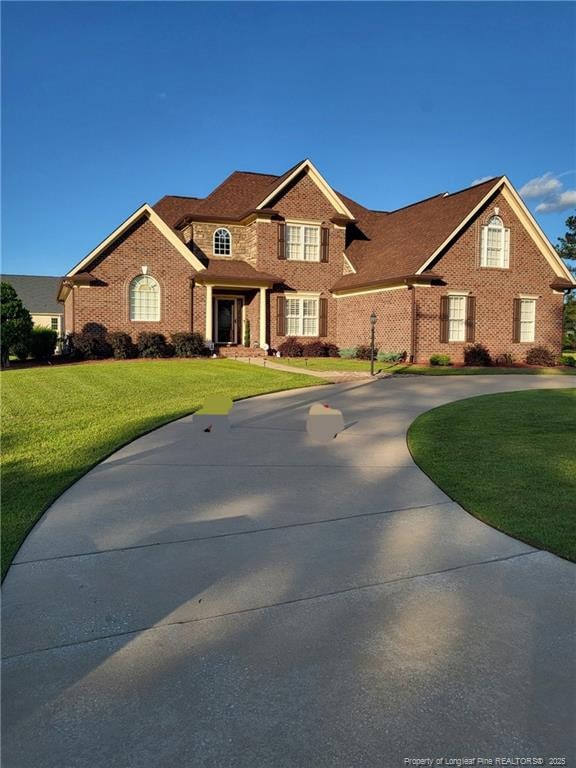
142,213
302,199
503,190
291,177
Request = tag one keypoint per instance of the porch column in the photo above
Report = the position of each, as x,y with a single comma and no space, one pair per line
262,317
208,334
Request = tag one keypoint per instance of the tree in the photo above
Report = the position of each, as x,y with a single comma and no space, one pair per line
567,245
16,323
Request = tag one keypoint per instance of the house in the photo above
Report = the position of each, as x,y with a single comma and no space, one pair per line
38,294
292,257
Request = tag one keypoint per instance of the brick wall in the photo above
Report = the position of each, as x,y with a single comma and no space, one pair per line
495,290
393,327
302,200
108,305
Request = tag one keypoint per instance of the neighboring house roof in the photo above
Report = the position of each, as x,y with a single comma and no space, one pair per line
38,292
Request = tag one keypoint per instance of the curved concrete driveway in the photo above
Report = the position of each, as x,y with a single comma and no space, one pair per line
253,599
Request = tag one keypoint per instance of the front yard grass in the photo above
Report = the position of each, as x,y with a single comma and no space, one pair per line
59,422
342,364
509,460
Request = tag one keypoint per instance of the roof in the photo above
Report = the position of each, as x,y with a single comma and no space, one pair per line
237,195
242,193
231,271
38,292
398,243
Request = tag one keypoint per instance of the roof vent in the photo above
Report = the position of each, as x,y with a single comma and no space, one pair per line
445,194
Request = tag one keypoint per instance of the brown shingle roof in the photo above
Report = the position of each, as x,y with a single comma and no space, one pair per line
234,271
382,245
400,242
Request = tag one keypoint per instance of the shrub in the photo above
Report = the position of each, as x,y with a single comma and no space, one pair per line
391,357
440,360
569,341
331,350
247,333
189,344
15,321
505,360
152,345
314,349
348,352
121,345
540,356
291,348
43,343
477,354
568,360
363,352
21,349
88,346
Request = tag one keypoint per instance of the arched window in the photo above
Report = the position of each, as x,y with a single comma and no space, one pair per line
495,250
222,243
144,299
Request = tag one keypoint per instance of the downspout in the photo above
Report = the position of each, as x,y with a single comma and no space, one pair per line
192,284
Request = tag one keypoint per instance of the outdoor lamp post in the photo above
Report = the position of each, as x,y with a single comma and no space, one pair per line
373,320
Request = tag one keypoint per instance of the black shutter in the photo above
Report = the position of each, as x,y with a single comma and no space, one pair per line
324,238
280,316
516,321
323,318
444,319
470,318
281,240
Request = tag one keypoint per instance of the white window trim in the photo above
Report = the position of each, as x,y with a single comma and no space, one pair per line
504,262
303,226
132,307
531,322
461,321
301,298
221,229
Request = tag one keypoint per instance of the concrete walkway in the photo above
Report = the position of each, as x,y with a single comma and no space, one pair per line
332,376
253,599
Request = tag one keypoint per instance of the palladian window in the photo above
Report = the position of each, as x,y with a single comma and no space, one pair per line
495,245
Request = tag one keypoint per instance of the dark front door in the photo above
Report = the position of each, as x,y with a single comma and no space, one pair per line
226,317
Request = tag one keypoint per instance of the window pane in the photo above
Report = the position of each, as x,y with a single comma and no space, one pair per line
527,319
456,318
293,242
144,299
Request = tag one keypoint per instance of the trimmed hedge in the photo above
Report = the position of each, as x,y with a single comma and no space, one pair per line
189,344
443,360
152,345
477,354
291,348
541,356
43,343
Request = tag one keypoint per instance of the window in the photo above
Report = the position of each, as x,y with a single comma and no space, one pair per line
144,299
222,243
527,319
301,316
302,242
495,246
456,318
54,323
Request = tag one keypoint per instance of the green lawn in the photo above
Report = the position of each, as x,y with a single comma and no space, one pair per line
341,364
59,421
508,459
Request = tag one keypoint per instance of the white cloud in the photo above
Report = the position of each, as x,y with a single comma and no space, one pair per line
481,180
541,186
558,202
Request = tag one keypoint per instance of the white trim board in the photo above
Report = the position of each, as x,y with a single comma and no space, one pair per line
320,182
148,212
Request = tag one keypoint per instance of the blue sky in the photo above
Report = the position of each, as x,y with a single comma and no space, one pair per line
107,105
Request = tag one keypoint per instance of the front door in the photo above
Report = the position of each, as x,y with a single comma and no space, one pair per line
226,321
